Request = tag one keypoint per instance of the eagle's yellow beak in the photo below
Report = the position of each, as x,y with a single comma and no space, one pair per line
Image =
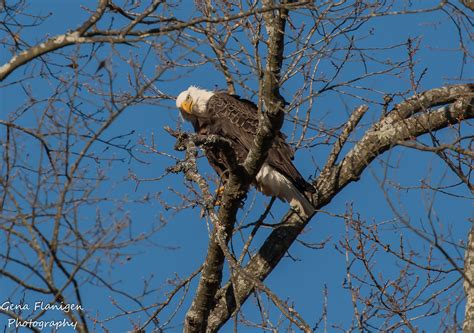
187,106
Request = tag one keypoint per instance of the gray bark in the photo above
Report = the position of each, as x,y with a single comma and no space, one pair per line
468,326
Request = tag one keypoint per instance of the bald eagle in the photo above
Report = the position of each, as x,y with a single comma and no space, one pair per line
236,119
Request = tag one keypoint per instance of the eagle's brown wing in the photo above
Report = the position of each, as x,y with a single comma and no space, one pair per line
237,120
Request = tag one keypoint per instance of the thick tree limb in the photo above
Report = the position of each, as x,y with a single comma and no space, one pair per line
404,122
468,325
272,121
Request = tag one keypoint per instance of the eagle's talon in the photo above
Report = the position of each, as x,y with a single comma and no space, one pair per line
219,192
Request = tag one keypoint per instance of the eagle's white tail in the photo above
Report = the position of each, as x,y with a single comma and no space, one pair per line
271,182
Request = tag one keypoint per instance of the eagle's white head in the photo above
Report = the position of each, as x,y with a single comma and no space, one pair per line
193,101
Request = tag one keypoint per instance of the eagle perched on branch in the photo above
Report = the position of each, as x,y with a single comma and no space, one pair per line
236,120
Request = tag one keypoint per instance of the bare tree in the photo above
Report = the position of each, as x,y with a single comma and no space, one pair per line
67,217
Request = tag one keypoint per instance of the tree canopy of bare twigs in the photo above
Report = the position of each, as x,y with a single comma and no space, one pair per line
109,217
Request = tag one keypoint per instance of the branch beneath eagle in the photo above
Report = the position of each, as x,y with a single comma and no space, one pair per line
406,120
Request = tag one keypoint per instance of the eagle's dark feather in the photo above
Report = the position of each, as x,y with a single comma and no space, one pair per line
237,120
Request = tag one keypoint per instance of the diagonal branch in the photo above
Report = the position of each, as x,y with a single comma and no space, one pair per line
351,124
290,313
380,138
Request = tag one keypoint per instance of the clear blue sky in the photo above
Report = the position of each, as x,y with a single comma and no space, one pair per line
180,247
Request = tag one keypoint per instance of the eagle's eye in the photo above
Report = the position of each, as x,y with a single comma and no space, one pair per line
188,98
